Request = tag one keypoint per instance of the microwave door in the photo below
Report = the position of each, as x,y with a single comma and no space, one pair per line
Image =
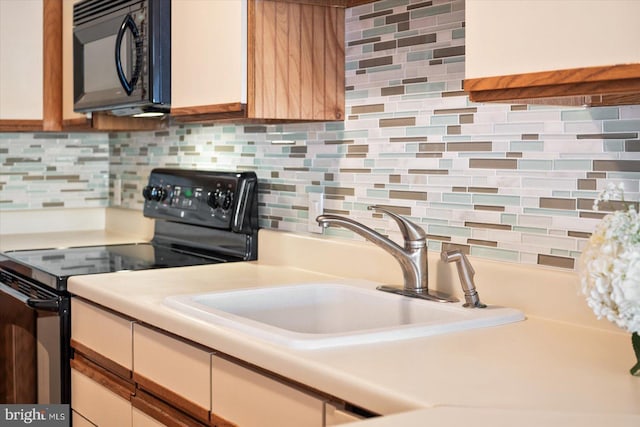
107,63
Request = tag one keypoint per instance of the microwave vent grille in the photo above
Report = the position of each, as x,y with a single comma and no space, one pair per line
91,9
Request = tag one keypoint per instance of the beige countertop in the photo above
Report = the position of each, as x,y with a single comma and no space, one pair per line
62,239
535,364
72,227
562,370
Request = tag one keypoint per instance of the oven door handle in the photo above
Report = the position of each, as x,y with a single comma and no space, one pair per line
52,304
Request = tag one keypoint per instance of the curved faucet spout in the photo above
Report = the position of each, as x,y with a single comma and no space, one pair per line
412,258
361,229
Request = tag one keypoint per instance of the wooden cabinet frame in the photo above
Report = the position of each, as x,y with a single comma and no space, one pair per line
610,85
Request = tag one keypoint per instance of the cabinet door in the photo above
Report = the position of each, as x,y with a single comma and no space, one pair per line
140,419
334,416
558,63
250,399
21,47
99,397
208,53
173,369
542,36
79,421
30,65
149,411
104,335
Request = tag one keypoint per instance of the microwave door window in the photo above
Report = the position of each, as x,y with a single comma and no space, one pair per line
100,71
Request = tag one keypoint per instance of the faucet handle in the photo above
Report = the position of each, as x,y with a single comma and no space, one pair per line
411,232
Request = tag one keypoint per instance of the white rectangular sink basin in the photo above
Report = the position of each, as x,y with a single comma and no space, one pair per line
327,315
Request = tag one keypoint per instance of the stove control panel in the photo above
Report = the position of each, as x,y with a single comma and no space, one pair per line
224,200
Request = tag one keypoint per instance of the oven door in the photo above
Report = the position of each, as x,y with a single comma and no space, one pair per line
34,349
108,58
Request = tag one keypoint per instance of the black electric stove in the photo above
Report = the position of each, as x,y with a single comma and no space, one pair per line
201,217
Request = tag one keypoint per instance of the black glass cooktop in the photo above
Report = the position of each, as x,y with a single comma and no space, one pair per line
60,264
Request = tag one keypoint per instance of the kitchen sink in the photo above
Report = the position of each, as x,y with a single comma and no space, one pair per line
322,315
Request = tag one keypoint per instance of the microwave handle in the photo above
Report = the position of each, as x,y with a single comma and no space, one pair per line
130,24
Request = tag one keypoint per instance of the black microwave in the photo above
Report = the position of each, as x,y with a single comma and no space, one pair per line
122,56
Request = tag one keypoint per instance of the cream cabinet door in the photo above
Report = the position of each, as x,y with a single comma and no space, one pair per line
250,399
102,331
334,416
80,421
172,368
21,69
140,419
208,52
98,404
525,36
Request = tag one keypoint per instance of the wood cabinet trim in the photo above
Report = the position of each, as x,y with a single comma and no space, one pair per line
168,415
89,354
78,124
208,109
590,82
555,77
106,379
52,65
21,125
105,121
193,409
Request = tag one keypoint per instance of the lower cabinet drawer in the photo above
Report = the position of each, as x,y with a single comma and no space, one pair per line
140,419
173,370
251,399
99,331
78,420
334,416
149,411
97,404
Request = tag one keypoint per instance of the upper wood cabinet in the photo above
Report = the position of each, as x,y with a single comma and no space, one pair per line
579,52
257,59
30,66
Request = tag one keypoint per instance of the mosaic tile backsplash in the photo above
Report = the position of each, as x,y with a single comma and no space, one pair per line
505,182
50,170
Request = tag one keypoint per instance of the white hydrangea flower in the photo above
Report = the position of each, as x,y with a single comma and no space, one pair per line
610,265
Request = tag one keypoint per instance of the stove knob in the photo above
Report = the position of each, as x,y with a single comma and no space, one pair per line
156,194
227,200
212,199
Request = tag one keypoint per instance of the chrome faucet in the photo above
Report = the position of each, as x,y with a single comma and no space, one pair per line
412,258
465,273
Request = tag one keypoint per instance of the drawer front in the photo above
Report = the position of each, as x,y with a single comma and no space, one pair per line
173,369
272,403
334,416
102,331
98,404
140,419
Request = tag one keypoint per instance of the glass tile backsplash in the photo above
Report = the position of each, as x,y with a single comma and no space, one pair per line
505,182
